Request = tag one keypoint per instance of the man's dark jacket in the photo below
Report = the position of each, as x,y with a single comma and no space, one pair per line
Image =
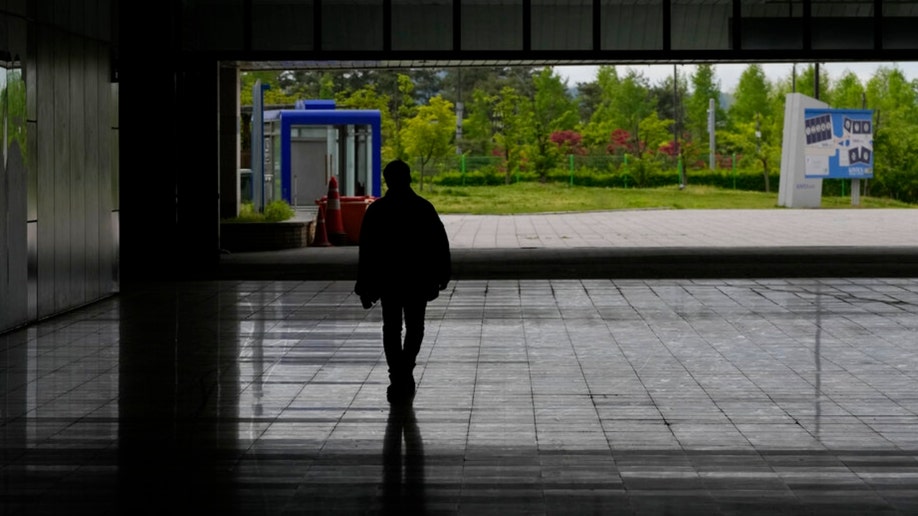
404,249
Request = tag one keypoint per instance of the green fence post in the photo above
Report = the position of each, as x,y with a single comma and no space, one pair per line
625,166
681,170
733,164
462,168
571,166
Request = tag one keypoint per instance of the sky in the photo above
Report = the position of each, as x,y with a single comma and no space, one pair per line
729,74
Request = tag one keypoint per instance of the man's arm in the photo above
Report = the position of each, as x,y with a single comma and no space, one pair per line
442,254
366,286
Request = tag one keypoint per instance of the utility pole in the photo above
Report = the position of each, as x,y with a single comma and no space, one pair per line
677,152
459,107
816,82
711,122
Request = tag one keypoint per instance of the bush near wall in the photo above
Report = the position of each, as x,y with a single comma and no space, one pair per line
625,177
612,171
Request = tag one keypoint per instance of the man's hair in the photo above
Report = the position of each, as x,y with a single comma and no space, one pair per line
397,173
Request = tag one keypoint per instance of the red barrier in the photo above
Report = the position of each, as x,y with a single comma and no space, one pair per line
334,223
353,209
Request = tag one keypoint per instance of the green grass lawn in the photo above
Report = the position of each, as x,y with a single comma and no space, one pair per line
558,197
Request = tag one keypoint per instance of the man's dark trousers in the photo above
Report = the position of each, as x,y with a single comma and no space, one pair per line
401,360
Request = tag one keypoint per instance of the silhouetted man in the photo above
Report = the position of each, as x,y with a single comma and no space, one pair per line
404,262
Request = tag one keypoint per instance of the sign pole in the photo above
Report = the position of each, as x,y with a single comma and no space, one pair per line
855,192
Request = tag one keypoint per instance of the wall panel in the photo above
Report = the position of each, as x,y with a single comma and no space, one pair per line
701,26
352,25
60,79
492,25
32,224
44,167
211,24
57,188
76,159
17,264
562,24
17,179
627,25
5,316
91,128
422,25
108,181
229,142
282,25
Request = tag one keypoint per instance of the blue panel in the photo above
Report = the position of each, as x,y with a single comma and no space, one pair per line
290,118
839,143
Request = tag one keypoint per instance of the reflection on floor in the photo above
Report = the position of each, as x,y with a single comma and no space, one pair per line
534,397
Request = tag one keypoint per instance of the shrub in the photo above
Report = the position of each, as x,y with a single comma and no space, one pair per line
247,213
484,176
277,211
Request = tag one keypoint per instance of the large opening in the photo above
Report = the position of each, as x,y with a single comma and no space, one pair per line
618,130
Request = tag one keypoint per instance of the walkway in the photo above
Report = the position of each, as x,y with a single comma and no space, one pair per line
651,395
643,244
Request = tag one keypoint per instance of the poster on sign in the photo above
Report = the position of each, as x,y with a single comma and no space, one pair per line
839,143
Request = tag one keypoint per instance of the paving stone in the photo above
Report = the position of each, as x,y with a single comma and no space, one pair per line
534,397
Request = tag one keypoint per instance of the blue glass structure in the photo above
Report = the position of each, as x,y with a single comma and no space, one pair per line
322,113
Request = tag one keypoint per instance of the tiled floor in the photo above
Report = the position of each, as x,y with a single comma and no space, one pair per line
534,397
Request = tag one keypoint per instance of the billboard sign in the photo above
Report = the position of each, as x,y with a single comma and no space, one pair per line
839,143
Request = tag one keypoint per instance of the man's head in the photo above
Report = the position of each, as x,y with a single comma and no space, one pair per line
397,174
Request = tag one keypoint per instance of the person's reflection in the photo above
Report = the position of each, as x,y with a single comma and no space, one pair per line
818,357
403,495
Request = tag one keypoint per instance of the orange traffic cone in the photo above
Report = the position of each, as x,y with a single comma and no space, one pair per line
334,221
321,238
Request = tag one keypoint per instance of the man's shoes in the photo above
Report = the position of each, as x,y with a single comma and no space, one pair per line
408,388
401,392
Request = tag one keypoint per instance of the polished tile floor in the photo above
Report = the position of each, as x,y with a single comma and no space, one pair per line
638,397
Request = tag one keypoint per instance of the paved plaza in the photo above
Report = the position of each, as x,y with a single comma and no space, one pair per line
640,396
784,228
639,244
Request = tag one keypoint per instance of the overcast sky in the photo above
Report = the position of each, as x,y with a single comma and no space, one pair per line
728,74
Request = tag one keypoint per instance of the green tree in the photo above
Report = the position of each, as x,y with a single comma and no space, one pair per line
655,131
806,83
753,141
514,115
552,110
368,98
624,102
428,83
275,95
588,98
428,135
671,104
752,96
634,102
753,134
458,83
778,100
326,87
478,128
402,108
893,100
704,87
602,121
848,92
